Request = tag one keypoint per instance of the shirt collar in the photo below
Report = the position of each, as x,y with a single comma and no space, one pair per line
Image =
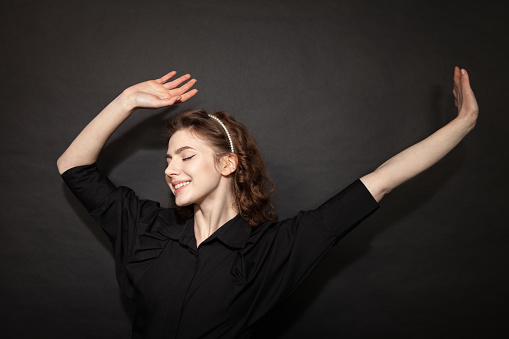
234,233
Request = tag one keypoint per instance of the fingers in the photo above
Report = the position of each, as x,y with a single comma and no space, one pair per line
461,79
173,83
468,96
181,94
175,99
457,88
456,77
188,95
178,94
464,90
457,96
464,98
461,86
465,80
166,77
176,82
168,102
184,88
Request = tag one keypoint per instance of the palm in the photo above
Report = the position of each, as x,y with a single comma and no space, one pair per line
160,93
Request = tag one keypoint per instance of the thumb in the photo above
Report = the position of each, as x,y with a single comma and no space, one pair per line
170,101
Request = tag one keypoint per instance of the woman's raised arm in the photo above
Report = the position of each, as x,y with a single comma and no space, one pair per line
426,153
151,94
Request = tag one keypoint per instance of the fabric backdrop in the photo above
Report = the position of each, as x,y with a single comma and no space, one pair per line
330,90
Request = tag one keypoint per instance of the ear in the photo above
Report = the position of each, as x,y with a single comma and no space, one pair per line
228,164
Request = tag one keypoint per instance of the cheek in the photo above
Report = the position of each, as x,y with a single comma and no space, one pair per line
202,169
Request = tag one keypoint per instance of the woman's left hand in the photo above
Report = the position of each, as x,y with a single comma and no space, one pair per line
424,154
464,97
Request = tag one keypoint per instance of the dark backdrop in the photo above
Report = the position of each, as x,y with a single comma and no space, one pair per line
330,90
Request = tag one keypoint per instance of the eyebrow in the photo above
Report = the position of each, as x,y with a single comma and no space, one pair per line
178,151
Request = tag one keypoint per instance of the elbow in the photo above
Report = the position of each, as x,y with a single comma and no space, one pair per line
62,164
67,161
59,165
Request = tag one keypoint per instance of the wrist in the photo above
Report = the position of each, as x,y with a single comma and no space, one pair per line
127,101
466,122
463,124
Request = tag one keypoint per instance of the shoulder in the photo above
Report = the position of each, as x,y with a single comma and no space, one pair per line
167,222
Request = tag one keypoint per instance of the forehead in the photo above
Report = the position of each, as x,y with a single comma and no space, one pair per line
186,138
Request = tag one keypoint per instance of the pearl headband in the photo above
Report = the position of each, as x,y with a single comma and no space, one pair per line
227,133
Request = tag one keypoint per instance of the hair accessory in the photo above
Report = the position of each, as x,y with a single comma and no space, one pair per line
227,133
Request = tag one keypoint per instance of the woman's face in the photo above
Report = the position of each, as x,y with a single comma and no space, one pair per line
191,173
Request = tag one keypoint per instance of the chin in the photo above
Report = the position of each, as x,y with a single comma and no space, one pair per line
182,203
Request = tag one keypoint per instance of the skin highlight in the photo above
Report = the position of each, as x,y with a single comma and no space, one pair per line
191,159
162,92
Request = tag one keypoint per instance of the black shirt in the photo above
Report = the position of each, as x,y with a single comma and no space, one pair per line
223,287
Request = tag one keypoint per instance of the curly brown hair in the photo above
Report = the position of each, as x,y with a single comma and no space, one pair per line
252,185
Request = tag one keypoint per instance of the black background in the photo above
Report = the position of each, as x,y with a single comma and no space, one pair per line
330,90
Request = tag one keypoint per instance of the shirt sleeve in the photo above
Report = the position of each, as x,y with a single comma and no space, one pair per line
131,224
300,243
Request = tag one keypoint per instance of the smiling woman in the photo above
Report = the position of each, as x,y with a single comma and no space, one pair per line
216,274
243,170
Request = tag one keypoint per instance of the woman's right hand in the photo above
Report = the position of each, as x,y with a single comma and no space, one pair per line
158,93
152,94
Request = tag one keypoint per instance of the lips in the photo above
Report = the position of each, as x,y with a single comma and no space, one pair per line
180,185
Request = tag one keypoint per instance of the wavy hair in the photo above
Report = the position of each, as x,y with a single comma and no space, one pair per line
252,185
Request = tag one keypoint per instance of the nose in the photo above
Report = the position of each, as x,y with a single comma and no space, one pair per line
171,170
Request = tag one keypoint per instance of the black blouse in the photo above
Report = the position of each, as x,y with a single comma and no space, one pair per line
223,287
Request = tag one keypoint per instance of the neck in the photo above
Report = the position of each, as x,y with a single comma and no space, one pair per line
210,216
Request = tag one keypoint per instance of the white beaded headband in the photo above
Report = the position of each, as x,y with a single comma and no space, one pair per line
227,133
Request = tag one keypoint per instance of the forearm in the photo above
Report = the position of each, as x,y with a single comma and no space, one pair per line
426,153
416,158
85,149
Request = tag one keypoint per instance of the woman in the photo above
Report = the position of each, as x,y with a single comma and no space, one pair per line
217,273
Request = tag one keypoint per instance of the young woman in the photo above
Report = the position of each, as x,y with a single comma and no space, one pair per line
217,273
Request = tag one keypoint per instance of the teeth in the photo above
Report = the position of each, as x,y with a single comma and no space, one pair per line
181,184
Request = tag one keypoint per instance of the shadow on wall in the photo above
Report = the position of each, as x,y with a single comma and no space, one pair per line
146,135
404,201
401,203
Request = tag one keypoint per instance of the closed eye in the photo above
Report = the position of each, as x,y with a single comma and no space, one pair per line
189,157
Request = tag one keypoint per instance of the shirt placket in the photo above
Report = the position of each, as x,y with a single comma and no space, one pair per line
190,243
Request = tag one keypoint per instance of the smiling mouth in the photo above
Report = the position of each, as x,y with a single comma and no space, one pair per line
180,186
